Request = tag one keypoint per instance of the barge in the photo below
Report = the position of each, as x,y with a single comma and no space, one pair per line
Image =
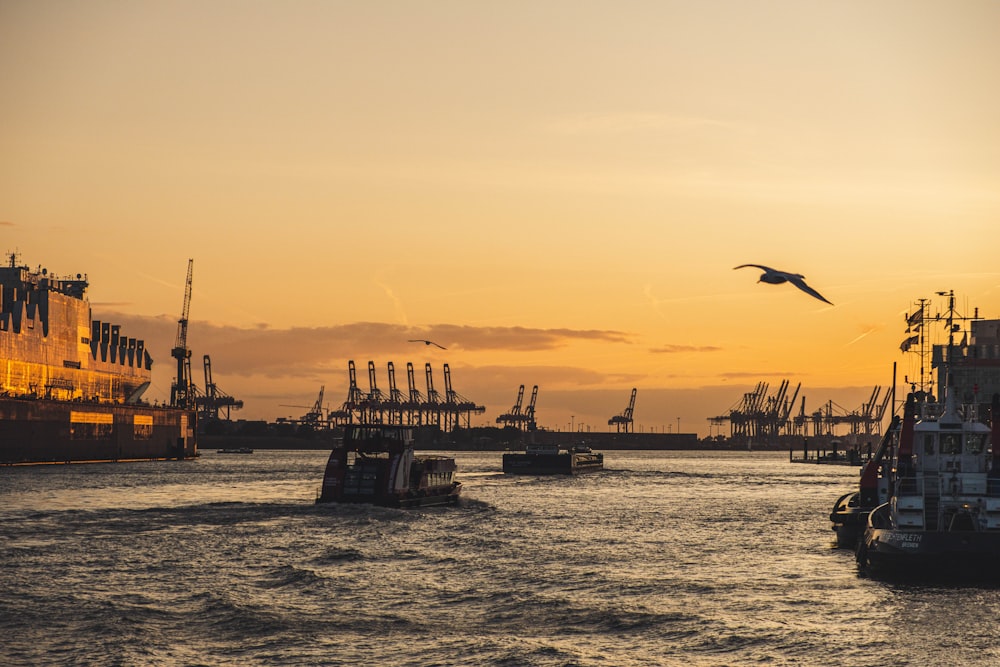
551,460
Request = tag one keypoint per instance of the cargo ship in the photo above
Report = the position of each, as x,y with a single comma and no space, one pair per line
550,460
375,464
70,386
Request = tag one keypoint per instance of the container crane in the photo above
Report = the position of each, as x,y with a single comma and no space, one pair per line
457,405
414,399
529,413
395,403
623,422
181,394
215,400
513,418
345,415
433,404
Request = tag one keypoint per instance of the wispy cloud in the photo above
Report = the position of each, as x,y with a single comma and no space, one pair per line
865,331
397,304
735,375
7,223
675,349
621,122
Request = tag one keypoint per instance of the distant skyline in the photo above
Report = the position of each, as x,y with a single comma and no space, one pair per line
556,192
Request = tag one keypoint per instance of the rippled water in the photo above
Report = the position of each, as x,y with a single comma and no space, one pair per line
665,558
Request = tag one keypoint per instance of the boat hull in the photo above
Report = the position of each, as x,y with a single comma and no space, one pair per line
40,431
849,520
890,552
445,495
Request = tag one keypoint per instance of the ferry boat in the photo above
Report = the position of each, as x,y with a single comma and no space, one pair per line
376,464
551,460
70,386
942,517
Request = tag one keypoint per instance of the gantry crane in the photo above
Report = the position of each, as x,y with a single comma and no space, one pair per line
181,394
513,417
215,399
345,415
433,405
457,405
521,419
394,406
623,422
529,413
415,400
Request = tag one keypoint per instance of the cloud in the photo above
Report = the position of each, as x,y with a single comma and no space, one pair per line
397,304
617,123
7,223
736,375
309,351
866,329
110,304
674,349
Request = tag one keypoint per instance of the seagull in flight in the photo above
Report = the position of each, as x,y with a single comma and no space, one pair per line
775,277
426,342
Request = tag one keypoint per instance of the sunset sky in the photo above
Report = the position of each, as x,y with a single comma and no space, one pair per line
556,191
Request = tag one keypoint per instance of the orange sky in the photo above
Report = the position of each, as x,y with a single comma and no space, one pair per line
556,191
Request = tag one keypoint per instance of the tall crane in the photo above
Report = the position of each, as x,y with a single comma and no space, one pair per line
513,417
433,404
395,403
215,401
374,400
345,415
181,394
316,411
458,405
529,412
623,422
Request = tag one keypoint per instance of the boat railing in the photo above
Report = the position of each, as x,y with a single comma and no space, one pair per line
879,517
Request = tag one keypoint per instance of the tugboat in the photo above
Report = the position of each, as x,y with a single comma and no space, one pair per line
376,464
550,460
850,513
943,514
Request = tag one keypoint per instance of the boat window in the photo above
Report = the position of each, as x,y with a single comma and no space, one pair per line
951,443
929,444
975,442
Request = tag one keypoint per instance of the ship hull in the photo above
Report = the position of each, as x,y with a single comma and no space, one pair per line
887,552
444,495
849,519
40,431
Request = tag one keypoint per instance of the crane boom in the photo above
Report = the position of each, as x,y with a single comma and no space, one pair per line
180,394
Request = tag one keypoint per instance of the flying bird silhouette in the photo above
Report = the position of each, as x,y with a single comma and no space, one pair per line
426,342
775,277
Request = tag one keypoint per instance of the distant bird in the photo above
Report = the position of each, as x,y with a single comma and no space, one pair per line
775,277
426,342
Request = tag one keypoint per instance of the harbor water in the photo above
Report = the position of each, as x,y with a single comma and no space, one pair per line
664,558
